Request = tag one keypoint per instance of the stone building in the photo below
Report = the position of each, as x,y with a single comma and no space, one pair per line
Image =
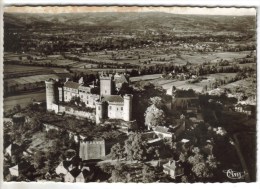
108,103
92,149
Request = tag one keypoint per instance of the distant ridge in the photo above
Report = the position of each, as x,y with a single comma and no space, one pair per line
131,20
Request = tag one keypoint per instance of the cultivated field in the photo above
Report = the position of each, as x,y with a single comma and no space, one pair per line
185,85
24,99
145,77
14,71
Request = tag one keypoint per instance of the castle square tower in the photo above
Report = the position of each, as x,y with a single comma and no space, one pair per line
106,85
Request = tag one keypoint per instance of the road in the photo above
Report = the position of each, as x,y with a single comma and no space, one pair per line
23,99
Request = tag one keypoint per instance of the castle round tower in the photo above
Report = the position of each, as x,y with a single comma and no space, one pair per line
50,93
99,111
128,98
61,97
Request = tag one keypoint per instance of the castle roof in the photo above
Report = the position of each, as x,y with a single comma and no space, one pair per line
113,98
71,84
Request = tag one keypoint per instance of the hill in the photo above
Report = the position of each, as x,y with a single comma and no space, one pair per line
131,20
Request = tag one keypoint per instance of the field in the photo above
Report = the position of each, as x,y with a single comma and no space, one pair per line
14,71
185,85
159,55
24,99
145,77
247,86
17,69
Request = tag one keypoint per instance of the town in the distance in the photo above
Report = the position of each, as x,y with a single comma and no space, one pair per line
116,97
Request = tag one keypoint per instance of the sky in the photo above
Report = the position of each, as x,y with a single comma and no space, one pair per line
174,10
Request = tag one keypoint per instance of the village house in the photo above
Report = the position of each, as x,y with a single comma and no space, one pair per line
246,109
73,176
14,171
173,168
163,132
11,149
78,174
22,168
62,168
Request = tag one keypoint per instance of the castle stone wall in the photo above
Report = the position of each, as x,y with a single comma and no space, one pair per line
92,150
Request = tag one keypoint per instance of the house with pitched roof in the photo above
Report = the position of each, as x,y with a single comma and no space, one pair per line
173,168
163,132
76,175
62,168
14,171
13,149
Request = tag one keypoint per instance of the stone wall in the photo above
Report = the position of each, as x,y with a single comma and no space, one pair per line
92,150
71,111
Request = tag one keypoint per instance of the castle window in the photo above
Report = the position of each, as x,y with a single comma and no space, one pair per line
110,107
122,108
106,91
99,108
87,102
116,109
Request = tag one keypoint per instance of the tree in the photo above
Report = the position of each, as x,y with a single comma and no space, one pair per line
135,148
119,173
117,151
35,124
75,100
148,174
200,167
106,167
184,179
17,108
154,116
157,101
39,159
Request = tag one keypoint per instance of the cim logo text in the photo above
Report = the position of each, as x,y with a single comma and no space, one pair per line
234,174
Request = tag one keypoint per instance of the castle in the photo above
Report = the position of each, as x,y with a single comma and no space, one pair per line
107,103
